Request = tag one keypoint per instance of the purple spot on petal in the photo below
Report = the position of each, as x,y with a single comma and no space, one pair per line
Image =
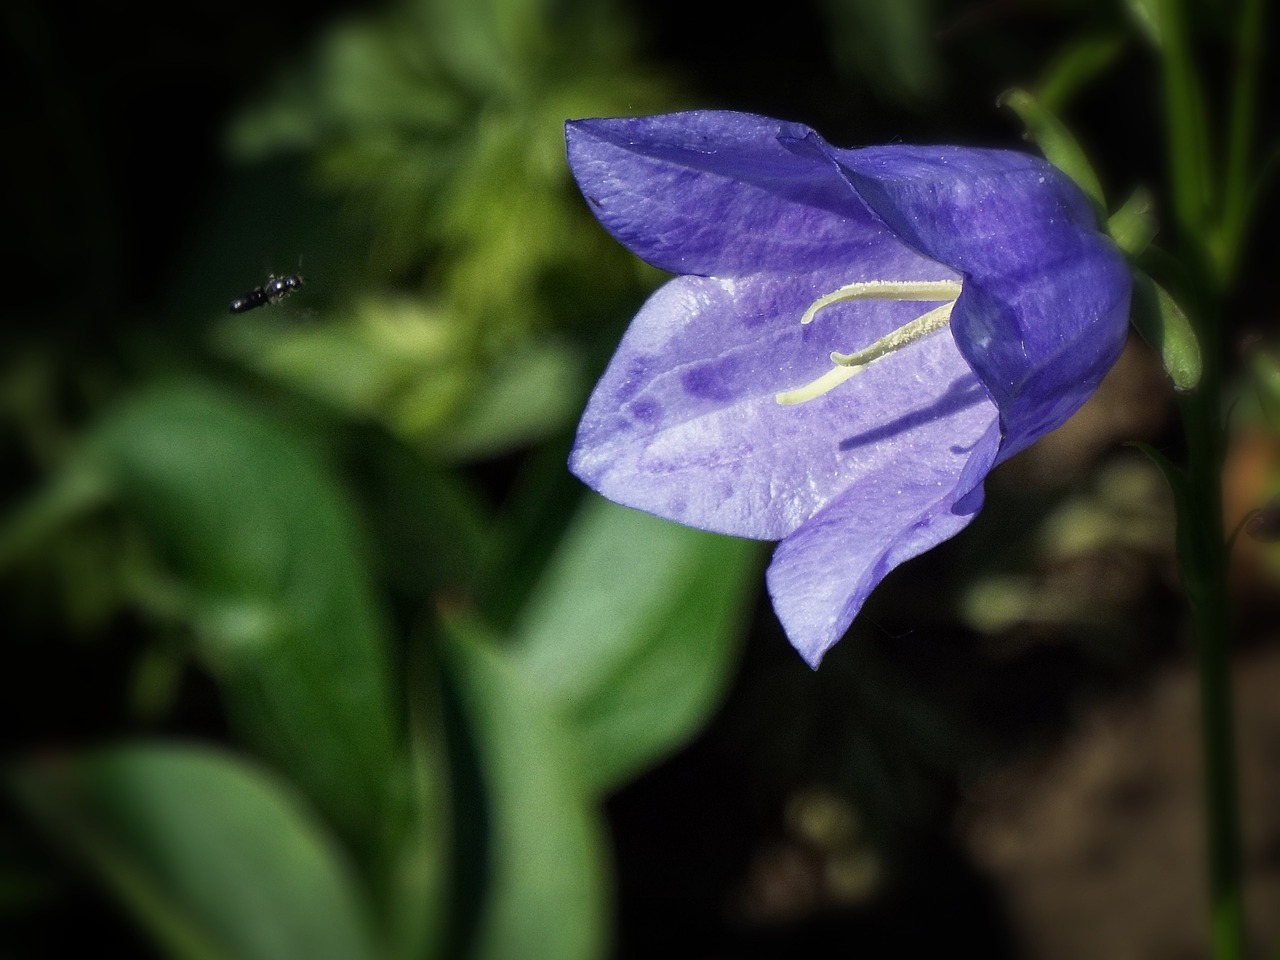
645,411
634,377
710,381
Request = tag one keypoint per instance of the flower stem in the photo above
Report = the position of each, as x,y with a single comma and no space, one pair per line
1184,121
1205,212
1244,107
1204,562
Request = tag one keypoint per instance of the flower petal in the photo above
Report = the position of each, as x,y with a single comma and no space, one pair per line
684,423
1044,312
718,193
822,574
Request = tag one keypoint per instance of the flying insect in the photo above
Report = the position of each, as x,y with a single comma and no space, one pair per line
273,291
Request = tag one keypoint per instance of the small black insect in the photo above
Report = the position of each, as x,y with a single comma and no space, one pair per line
273,291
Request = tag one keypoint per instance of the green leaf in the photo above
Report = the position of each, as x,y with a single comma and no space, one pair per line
522,398
219,860
1076,67
893,46
1133,227
70,497
1146,19
546,889
401,361
416,901
634,632
1161,322
281,602
409,366
1264,372
1057,143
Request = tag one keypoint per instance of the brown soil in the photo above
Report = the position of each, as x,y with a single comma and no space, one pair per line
1097,846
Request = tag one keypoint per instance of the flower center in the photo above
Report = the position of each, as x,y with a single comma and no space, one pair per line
848,364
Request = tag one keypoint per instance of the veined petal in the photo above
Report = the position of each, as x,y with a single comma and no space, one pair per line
1044,313
822,574
685,423
718,193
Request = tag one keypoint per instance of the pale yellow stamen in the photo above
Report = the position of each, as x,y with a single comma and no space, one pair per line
848,364
828,381
920,327
886,290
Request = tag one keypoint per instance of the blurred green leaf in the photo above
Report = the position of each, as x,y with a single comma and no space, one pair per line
890,45
1163,325
417,900
1079,64
546,888
431,525
443,119
410,367
1146,18
526,532
633,632
440,122
69,497
1058,145
1133,226
400,361
219,860
1264,375
524,398
281,601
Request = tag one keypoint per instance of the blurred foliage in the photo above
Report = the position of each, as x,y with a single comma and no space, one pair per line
437,718
889,45
441,123
216,857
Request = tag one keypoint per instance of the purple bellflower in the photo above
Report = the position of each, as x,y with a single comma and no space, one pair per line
856,338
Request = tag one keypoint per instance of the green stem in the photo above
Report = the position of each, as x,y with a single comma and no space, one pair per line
1206,251
1185,120
1244,106
1204,563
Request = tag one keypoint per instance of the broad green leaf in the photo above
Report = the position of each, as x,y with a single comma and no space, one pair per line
633,632
523,398
216,858
281,601
1057,143
1161,322
430,525
546,889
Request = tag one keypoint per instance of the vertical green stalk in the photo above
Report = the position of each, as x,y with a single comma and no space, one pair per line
1185,122
1203,559
1205,253
1250,31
